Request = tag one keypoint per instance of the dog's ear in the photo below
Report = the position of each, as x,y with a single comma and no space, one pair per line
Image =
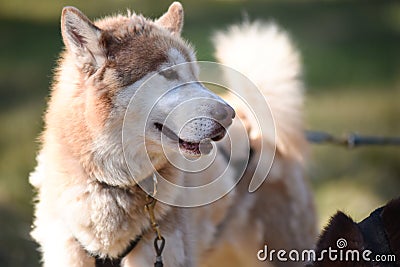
341,226
173,18
82,38
341,231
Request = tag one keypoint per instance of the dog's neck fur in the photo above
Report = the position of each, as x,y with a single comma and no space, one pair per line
114,215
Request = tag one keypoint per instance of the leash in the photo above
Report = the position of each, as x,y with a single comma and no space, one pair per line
351,141
159,241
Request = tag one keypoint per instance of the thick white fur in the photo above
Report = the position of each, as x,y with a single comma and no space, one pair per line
265,54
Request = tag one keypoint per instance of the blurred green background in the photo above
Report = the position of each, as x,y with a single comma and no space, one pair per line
351,53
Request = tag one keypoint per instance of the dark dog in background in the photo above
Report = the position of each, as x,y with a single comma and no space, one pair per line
378,233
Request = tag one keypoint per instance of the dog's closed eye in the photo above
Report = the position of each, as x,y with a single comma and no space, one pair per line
169,74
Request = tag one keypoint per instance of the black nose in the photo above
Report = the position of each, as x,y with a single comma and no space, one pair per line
224,114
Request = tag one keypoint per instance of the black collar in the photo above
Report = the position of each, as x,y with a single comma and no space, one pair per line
109,262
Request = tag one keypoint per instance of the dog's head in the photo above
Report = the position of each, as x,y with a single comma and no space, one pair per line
379,233
139,73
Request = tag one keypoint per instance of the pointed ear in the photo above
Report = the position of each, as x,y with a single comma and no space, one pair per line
82,38
173,18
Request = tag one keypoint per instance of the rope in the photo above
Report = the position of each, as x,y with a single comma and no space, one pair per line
350,141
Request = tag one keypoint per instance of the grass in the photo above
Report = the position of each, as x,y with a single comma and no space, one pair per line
351,53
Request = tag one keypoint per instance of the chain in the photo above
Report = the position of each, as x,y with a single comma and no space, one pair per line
352,140
159,241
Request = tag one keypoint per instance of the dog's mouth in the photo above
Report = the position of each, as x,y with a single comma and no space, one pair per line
191,147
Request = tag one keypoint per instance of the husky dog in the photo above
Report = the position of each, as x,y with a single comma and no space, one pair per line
90,205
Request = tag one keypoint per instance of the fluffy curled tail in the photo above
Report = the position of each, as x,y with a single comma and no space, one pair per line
265,54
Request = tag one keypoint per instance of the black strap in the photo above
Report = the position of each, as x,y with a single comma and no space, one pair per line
108,262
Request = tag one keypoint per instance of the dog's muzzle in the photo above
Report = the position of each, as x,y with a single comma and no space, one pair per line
194,116
195,136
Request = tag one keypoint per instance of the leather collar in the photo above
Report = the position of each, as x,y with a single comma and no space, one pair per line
115,262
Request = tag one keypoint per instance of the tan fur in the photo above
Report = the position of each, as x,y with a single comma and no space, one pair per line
88,199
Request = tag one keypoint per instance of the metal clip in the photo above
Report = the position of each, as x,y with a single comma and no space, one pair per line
159,241
155,182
